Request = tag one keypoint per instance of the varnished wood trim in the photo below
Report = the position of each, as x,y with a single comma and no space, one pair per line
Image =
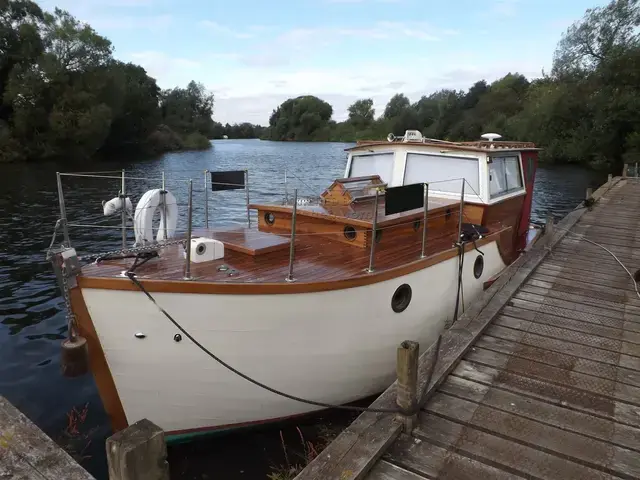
182,286
98,363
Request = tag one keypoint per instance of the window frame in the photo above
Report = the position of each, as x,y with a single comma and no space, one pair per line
506,193
369,154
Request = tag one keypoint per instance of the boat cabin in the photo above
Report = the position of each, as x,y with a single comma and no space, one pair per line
498,185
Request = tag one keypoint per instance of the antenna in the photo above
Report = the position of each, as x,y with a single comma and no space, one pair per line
491,136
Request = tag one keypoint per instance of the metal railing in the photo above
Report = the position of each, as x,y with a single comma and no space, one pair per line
375,231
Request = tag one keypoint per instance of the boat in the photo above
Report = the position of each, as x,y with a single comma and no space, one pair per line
312,301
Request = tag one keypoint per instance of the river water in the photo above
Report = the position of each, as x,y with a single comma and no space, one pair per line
32,320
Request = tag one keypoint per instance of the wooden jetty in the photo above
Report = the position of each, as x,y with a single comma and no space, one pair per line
26,453
540,379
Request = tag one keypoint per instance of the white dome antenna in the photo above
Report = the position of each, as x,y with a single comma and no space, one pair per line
391,137
491,136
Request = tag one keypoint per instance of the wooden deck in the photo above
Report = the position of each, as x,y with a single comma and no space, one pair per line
540,379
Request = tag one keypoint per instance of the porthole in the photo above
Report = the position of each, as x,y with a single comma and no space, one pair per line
478,266
378,235
636,276
350,233
269,218
416,225
200,249
401,298
447,214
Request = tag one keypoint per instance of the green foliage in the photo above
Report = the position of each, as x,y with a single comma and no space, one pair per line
303,118
197,141
361,113
62,95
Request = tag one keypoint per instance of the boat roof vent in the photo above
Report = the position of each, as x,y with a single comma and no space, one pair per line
491,136
412,136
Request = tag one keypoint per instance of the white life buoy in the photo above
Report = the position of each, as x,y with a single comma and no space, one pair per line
149,204
114,206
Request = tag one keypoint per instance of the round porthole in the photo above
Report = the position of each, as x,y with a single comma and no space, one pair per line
350,233
378,236
447,214
401,298
478,266
636,276
200,249
269,218
416,225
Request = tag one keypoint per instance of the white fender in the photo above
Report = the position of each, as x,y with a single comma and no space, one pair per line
114,206
149,204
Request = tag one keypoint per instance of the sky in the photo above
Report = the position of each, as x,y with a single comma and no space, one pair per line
254,54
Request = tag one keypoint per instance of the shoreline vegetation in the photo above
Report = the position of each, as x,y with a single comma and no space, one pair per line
64,96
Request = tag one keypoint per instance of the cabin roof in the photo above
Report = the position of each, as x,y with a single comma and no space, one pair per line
478,146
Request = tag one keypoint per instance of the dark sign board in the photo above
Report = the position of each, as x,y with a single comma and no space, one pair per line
229,180
403,199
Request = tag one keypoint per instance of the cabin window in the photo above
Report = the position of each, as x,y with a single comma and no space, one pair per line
375,164
504,175
445,170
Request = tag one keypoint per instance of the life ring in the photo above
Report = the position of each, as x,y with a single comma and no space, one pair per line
146,209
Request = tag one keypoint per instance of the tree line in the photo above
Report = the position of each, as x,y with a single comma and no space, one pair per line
586,110
63,95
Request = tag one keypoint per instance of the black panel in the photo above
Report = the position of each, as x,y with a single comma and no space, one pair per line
402,199
229,180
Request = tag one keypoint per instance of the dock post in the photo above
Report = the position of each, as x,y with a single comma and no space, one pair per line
246,188
138,452
374,231
206,199
292,241
425,219
407,391
625,170
609,178
589,193
123,213
635,171
63,212
187,266
548,227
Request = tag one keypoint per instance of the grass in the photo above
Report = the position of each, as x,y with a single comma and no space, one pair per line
73,439
309,452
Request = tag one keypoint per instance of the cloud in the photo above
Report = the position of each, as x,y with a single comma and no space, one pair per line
169,71
504,8
250,32
105,22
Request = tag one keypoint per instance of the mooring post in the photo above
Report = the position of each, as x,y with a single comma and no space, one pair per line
548,227
407,392
609,178
138,452
374,231
635,171
292,241
625,170
187,266
425,219
589,193
206,199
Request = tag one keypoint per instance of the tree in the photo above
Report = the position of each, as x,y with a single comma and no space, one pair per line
602,32
397,104
361,113
300,118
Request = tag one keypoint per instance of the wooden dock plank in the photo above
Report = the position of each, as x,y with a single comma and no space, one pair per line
544,412
26,452
584,450
388,471
437,462
517,458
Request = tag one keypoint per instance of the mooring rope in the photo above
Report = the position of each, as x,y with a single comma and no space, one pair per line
249,379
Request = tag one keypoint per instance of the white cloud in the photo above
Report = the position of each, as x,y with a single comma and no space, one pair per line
169,71
250,32
504,8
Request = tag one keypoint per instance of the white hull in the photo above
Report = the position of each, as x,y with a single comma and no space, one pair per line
335,346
